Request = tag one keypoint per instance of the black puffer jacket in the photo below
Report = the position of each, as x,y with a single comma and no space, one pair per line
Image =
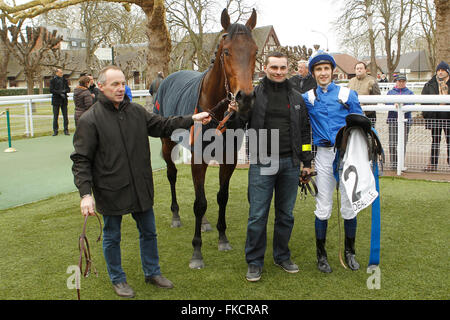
112,154
303,85
300,127
432,87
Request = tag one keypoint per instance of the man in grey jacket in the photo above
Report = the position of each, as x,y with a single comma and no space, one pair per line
112,161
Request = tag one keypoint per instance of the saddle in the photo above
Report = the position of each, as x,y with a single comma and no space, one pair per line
356,120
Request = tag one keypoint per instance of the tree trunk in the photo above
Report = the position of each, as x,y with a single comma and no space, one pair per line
159,44
442,30
4,59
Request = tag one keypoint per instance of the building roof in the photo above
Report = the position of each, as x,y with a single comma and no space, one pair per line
415,61
345,62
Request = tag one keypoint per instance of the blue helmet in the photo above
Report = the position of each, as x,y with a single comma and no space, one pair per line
320,57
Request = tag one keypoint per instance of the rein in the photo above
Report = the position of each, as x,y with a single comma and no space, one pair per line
83,246
305,187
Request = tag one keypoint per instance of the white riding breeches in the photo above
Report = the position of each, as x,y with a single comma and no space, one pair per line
326,185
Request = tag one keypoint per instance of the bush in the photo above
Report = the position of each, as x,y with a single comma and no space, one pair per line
21,91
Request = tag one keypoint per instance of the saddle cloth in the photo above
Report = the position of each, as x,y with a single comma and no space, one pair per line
357,177
179,93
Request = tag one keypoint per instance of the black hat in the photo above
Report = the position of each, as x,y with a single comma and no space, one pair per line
444,66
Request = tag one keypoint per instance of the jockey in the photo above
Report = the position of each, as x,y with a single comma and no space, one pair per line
328,105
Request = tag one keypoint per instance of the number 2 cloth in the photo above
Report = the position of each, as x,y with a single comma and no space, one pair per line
357,176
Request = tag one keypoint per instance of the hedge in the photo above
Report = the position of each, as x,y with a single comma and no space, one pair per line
21,91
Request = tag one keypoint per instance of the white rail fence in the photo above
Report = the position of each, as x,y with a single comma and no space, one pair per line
31,114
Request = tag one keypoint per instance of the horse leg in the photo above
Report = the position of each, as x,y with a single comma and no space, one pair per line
167,147
226,170
200,204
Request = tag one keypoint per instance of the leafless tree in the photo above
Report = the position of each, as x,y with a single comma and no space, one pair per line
159,44
442,30
427,28
357,23
196,18
395,18
4,59
30,46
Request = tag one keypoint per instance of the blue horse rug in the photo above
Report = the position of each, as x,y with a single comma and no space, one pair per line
179,93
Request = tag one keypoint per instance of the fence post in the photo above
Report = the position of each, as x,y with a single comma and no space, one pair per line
400,139
30,109
10,148
27,121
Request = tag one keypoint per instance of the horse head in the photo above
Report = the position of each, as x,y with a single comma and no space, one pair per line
237,53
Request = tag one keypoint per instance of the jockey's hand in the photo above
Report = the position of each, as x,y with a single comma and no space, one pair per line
202,117
305,175
87,205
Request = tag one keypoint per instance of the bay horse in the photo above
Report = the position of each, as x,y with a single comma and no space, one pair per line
228,80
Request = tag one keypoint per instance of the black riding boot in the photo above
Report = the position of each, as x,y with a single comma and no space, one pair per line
322,262
349,254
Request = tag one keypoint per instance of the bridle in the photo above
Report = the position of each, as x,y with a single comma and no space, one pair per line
229,100
83,246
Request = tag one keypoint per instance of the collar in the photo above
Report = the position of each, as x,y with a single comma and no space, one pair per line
276,85
108,103
331,87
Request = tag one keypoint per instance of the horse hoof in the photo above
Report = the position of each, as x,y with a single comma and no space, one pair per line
206,227
176,223
196,264
224,246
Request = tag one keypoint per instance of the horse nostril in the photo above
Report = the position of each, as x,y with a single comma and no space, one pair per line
238,96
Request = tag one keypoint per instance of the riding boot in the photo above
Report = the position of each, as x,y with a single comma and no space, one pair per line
349,254
322,262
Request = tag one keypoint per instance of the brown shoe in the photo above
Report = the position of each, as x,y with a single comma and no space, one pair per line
159,281
430,168
123,289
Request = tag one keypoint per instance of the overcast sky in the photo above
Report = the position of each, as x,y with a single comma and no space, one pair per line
294,20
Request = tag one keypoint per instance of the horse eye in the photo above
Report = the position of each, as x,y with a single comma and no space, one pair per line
226,52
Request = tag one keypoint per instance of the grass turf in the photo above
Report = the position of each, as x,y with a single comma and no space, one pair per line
39,242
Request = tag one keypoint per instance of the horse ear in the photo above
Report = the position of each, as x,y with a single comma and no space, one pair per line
225,19
251,23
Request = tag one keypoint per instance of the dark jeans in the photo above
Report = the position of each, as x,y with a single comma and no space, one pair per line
56,108
436,132
260,191
145,222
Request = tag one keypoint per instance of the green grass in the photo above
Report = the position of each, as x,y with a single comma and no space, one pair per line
39,241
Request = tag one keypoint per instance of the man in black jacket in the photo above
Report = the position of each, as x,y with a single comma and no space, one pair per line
279,114
112,161
303,81
437,121
59,88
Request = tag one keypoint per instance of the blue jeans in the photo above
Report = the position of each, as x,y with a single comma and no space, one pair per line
145,222
260,191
